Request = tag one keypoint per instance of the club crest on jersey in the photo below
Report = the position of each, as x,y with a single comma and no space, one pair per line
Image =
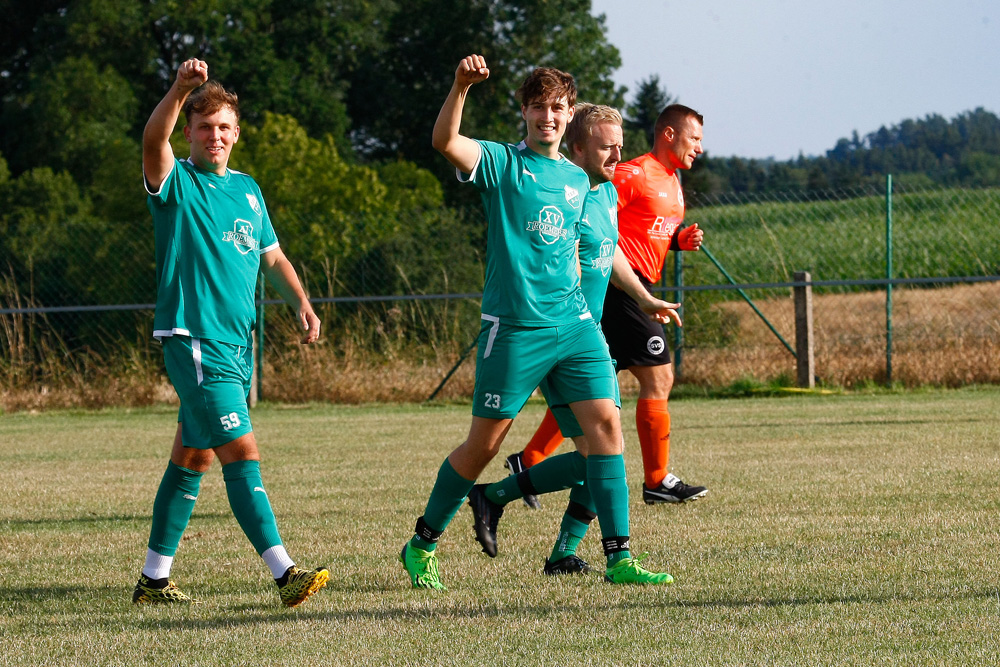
549,225
603,263
254,204
572,196
680,196
241,236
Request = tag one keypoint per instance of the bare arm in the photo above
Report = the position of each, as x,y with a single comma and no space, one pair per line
460,150
157,156
625,279
280,273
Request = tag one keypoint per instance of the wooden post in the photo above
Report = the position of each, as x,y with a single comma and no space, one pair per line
805,359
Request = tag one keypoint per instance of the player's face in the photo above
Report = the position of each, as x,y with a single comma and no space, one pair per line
684,143
547,121
212,138
601,154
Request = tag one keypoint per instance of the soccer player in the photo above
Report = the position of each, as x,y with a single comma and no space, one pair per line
213,235
594,139
650,213
535,318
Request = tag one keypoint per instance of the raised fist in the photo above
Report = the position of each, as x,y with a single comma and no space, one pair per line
192,73
472,70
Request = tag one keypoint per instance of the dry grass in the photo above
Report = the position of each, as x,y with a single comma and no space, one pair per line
348,374
946,337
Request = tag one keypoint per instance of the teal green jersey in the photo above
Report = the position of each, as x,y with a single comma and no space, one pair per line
210,233
598,239
533,205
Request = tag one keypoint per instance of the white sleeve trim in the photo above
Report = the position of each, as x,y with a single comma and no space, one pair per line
145,182
273,246
475,168
159,334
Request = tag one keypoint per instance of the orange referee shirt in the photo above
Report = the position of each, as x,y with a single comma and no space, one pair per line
650,211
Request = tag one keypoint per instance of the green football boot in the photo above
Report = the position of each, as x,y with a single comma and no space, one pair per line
628,571
422,566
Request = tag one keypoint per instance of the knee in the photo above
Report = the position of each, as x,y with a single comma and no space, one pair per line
656,382
482,450
199,460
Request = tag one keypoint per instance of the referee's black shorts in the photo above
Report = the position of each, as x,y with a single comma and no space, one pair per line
633,337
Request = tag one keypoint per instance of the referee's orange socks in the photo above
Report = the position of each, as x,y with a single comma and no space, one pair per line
545,441
652,420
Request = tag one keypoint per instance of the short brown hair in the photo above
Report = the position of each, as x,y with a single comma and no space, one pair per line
585,117
547,83
672,116
209,98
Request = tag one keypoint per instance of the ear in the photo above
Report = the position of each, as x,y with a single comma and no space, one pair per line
524,111
572,112
187,133
669,133
236,134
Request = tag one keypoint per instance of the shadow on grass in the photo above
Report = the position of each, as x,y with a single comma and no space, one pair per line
44,593
848,422
251,616
96,519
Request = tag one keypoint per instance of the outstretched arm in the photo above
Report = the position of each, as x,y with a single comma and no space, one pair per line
625,279
157,156
461,151
280,273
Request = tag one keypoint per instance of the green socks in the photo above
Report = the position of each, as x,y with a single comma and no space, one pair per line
250,505
449,492
173,507
576,520
606,479
553,474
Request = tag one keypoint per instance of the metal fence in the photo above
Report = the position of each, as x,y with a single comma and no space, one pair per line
904,278
904,281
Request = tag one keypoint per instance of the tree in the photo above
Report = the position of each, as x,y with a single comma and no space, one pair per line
395,96
320,204
640,116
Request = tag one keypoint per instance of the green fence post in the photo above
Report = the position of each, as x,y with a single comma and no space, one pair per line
260,342
678,298
888,276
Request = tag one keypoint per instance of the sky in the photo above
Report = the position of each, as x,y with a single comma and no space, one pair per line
776,78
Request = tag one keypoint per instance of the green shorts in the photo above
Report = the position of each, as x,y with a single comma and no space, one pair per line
512,361
568,425
212,380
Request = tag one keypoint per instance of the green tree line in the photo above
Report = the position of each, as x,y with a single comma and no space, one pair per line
961,152
338,100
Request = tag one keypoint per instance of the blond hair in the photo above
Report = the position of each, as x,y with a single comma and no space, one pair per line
585,117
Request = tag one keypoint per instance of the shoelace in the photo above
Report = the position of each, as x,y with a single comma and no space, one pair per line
633,563
428,566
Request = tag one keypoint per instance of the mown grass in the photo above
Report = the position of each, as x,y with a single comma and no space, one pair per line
838,530
935,233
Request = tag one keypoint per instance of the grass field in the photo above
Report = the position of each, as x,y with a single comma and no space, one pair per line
948,232
838,530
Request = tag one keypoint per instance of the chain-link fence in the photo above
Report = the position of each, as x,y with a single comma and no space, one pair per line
903,278
76,300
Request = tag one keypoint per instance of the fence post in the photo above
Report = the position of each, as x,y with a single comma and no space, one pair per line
256,391
678,298
805,361
888,276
